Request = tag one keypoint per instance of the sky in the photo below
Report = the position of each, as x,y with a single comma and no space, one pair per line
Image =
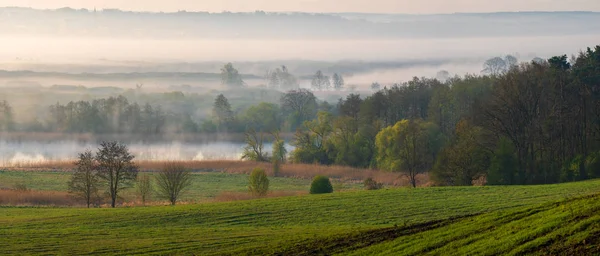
365,6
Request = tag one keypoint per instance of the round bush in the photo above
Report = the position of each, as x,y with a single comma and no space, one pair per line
321,185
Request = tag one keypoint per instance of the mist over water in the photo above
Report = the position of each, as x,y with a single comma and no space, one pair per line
14,154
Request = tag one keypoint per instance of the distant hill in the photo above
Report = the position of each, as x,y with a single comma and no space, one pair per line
112,23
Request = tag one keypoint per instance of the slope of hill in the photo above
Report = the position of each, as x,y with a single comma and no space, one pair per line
459,220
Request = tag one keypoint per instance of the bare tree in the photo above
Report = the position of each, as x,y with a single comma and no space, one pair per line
320,81
511,61
116,167
494,66
338,81
84,181
144,188
172,180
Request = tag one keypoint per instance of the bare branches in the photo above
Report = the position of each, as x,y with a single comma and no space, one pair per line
172,180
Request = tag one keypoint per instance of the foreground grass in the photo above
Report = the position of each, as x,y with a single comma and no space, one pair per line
391,221
571,227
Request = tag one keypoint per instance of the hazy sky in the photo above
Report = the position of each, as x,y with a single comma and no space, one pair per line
376,6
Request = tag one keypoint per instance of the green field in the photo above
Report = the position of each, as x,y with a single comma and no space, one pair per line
205,185
450,220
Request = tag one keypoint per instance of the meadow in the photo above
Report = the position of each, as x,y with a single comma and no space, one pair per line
40,188
434,220
45,183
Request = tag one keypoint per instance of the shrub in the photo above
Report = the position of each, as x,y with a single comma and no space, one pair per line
259,183
20,187
592,165
144,188
321,185
371,184
571,171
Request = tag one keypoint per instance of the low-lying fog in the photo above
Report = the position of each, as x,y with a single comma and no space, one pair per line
65,49
32,152
461,56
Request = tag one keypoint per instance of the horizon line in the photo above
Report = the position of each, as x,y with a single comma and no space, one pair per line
286,12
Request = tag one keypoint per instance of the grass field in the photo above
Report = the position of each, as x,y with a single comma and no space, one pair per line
453,220
206,186
306,171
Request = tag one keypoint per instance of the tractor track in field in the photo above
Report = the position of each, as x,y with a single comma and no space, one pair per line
359,239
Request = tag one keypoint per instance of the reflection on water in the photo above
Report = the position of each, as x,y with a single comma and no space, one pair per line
19,153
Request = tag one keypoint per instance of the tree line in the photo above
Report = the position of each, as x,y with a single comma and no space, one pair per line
111,169
529,123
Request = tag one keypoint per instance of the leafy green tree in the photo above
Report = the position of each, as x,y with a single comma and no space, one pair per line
116,168
299,106
172,180
408,147
311,143
351,107
84,182
264,117
346,146
259,182
231,76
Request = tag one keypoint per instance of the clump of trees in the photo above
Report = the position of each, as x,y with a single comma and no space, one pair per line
321,185
281,78
112,167
322,82
529,123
